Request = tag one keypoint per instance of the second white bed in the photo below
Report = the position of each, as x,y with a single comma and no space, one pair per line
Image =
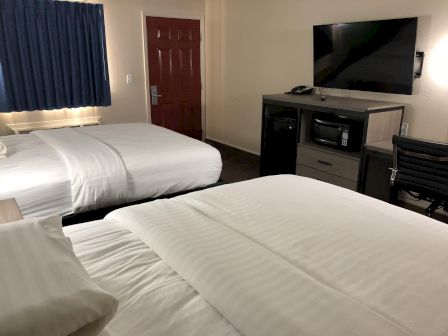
39,177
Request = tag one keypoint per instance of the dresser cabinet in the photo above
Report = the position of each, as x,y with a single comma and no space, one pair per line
378,120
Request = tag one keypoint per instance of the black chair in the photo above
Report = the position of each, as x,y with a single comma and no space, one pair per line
421,169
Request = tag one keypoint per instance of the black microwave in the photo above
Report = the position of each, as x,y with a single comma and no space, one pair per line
338,132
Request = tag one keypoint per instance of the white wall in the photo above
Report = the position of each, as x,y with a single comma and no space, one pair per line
125,51
124,35
257,47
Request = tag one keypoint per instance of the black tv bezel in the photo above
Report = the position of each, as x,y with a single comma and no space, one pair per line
409,92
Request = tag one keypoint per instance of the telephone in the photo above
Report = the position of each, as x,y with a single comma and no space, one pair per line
301,90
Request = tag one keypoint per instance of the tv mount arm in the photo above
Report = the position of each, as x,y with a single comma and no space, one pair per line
421,56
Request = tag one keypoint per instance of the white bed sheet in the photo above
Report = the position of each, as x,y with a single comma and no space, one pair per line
35,176
158,162
98,176
286,255
153,299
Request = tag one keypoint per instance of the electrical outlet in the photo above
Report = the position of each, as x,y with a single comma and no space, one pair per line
404,129
129,79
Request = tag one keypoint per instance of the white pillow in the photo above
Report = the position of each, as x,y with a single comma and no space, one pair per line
44,289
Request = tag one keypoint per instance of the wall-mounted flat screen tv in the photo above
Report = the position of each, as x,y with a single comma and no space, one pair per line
368,56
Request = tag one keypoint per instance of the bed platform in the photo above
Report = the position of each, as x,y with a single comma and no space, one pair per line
101,213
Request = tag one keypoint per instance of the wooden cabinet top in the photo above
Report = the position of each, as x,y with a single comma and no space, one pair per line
334,103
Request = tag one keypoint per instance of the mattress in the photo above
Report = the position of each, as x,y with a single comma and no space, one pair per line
287,255
153,299
158,162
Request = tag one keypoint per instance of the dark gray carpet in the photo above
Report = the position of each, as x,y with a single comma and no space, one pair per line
237,164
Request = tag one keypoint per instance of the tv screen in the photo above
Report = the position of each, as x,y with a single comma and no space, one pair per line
369,56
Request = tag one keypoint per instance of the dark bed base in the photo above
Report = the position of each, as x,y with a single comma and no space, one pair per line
101,213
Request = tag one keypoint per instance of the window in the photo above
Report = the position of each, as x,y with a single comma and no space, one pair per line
53,55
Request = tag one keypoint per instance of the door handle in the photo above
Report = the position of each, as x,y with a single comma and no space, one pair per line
155,95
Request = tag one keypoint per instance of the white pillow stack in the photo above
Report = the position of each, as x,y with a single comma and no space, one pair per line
44,288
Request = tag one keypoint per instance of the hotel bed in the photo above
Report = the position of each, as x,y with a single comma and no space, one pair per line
68,171
281,255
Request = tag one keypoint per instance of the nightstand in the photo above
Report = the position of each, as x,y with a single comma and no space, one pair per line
9,211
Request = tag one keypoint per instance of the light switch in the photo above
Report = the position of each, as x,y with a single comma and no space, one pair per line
129,79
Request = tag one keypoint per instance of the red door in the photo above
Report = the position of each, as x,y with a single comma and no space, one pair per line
175,74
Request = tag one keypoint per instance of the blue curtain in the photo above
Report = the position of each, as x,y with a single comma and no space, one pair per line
52,55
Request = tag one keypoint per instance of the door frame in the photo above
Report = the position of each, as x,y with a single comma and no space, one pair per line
144,14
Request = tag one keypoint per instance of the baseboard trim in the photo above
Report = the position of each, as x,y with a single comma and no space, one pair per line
232,145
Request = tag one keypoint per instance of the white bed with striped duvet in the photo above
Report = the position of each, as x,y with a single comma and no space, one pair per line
287,255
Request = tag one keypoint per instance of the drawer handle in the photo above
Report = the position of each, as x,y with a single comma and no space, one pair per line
325,163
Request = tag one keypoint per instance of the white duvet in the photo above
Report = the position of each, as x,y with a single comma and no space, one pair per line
287,255
59,171
153,299
97,173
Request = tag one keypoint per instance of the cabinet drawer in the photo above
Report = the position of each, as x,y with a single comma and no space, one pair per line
330,163
325,177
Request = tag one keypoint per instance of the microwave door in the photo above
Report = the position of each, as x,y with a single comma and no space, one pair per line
327,142
326,133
